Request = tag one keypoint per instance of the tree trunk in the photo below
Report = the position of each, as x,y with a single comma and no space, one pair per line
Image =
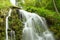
55,6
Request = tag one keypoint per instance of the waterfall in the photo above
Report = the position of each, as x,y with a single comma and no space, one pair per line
12,33
35,27
9,14
7,23
13,2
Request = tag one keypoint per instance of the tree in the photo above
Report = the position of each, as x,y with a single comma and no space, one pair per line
55,6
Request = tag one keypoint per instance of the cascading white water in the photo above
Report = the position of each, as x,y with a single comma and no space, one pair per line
9,14
35,27
7,23
13,2
12,33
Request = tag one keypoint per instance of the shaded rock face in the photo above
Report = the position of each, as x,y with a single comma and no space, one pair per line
15,24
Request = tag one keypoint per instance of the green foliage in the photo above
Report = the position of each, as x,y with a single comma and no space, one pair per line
29,2
47,4
4,3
